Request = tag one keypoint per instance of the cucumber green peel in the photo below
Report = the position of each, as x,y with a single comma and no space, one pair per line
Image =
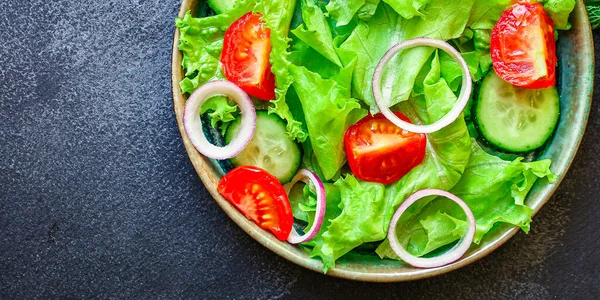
221,6
516,119
270,148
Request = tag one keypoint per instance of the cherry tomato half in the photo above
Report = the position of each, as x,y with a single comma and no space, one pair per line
379,151
260,197
523,47
245,56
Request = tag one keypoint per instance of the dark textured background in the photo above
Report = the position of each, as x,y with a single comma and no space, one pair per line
98,197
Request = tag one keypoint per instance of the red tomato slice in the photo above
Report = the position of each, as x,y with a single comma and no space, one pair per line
379,151
245,56
523,47
260,197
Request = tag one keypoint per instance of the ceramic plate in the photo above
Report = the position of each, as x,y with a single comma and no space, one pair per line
575,83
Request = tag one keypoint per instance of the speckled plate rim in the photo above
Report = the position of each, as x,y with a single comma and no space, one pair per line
577,76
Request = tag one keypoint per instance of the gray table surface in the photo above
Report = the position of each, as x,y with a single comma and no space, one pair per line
99,199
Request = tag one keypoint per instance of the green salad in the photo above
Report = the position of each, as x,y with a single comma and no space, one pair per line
289,86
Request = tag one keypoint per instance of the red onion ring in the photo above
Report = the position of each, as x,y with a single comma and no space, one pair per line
461,103
449,257
193,124
307,176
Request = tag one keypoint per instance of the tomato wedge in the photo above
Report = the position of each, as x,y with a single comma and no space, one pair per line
260,197
245,56
379,151
523,47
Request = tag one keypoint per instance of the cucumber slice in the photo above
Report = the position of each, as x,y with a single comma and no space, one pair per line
221,6
270,148
515,119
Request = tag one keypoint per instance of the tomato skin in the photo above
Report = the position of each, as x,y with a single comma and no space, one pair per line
245,56
522,42
379,151
260,197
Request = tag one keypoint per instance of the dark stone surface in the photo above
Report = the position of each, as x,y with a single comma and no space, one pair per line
98,197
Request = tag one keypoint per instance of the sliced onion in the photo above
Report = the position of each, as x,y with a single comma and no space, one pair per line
449,257
463,98
193,123
307,176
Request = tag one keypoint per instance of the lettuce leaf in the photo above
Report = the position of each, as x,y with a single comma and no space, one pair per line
277,15
332,211
367,207
322,89
493,189
370,40
316,32
367,11
408,8
201,42
342,11
329,111
427,230
485,14
559,11
220,111
304,47
306,56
